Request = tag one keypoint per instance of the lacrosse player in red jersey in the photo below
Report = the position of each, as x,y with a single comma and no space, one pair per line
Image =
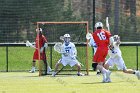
116,58
102,39
42,45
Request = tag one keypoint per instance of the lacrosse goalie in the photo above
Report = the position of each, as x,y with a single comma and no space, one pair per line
69,53
116,59
42,44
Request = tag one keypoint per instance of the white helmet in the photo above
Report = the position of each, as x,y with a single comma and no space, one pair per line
116,37
66,38
40,29
98,24
66,35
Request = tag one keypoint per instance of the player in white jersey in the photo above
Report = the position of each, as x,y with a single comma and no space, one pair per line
116,58
68,56
92,43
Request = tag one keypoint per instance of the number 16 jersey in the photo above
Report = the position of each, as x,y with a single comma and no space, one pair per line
101,38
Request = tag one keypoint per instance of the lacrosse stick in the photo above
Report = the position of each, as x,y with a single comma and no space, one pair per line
62,38
28,44
107,24
60,70
58,48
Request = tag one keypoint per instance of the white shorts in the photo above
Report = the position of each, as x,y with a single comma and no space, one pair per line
118,61
68,61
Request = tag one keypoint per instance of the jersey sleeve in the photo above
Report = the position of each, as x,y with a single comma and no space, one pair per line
44,39
108,34
74,50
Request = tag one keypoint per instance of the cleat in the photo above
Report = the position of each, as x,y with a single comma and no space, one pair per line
53,74
80,74
138,74
32,70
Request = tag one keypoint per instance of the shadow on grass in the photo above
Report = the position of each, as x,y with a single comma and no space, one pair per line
103,83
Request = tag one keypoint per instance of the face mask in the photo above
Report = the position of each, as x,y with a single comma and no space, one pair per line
66,40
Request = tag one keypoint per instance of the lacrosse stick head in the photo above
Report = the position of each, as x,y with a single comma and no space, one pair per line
88,36
62,38
28,43
58,47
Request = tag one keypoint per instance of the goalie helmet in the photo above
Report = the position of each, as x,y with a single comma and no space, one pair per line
67,38
66,35
99,25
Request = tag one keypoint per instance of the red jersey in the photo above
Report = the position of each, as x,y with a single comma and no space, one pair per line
101,37
42,41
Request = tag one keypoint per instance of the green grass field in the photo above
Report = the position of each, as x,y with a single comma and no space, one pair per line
20,58
24,82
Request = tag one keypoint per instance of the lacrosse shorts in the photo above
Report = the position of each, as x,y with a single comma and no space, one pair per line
68,61
36,55
100,54
118,61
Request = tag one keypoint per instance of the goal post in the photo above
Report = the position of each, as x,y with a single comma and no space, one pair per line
77,30
39,61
